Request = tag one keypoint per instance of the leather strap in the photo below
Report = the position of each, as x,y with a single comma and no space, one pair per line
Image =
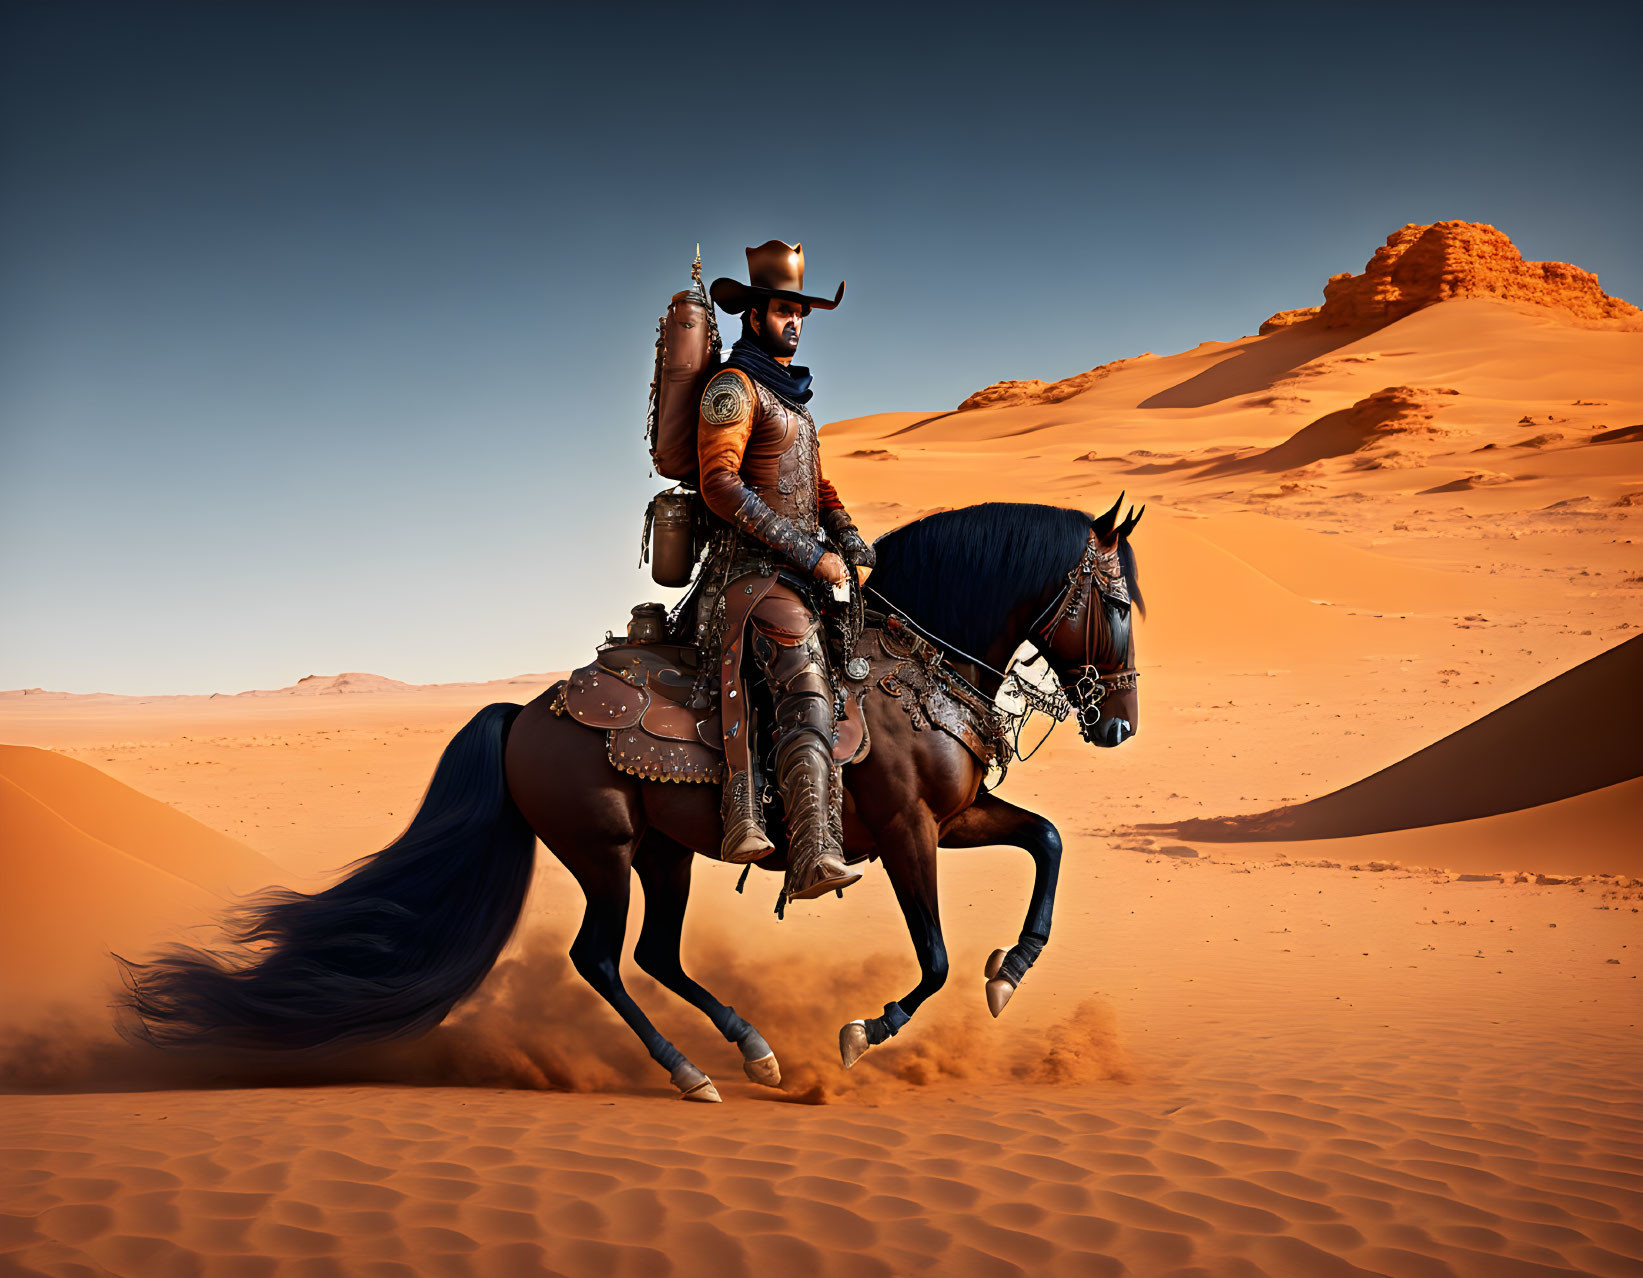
741,596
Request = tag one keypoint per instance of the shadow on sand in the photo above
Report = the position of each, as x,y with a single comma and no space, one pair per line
1255,364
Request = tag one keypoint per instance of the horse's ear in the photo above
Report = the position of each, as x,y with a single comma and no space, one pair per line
1128,526
1104,525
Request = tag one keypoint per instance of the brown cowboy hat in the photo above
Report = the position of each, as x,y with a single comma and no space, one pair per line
776,269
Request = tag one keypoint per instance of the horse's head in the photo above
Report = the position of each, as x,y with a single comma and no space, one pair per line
1086,637
979,581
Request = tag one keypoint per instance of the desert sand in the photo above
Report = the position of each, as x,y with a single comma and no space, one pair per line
1316,1002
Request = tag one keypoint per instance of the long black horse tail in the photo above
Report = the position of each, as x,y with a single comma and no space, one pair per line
386,952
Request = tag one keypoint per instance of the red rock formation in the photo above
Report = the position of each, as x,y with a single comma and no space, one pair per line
1285,319
1420,265
1036,391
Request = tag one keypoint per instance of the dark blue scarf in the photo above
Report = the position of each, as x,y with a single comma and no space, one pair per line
789,382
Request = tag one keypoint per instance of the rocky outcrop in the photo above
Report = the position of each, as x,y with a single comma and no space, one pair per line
1288,319
1363,428
1420,265
1035,391
352,681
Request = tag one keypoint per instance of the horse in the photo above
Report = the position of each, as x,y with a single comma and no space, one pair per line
410,931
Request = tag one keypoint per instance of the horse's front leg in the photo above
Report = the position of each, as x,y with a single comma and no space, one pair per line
993,822
908,850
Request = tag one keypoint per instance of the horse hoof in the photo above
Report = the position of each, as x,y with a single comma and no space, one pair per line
995,965
998,994
764,1071
694,1085
853,1042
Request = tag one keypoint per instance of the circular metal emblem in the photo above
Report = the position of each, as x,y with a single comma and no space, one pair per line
856,668
725,400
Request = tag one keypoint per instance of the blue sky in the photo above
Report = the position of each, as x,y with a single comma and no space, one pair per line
325,331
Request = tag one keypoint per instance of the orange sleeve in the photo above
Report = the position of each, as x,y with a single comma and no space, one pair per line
827,497
722,431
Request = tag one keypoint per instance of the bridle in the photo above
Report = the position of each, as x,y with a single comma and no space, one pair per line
1067,628
1068,618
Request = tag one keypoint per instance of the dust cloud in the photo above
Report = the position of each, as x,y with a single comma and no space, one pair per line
536,1025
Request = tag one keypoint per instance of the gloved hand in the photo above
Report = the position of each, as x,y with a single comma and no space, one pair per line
830,568
853,547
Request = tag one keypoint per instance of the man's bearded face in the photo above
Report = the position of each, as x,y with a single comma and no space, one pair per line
778,326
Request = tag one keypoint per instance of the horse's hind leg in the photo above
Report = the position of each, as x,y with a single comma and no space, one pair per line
597,954
664,870
993,822
591,817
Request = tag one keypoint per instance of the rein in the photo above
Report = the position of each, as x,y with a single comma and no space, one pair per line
1054,704
928,636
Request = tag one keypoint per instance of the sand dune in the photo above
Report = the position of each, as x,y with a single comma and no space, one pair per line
331,685
1579,732
1206,595
1215,373
92,866
876,424
119,816
350,682
1590,835
1502,361
70,898
1338,571
1377,418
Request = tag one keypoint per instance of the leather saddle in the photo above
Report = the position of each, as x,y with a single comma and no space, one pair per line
661,725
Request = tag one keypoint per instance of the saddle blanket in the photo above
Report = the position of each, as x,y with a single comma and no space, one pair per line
662,723
658,724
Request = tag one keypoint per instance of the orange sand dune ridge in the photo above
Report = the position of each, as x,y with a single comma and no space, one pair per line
1579,732
91,866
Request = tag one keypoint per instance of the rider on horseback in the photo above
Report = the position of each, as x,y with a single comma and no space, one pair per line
760,471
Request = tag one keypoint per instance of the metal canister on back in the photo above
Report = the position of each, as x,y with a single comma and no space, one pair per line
672,538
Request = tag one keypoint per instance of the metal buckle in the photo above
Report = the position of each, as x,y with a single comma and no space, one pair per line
1089,691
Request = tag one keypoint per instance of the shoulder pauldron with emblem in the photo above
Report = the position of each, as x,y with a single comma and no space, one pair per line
726,399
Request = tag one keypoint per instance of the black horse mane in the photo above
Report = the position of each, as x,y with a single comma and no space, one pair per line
959,574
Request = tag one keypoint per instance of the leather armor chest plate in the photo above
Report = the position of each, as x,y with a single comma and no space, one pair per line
781,460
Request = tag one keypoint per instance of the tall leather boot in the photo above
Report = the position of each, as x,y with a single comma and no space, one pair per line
815,853
744,836
835,801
